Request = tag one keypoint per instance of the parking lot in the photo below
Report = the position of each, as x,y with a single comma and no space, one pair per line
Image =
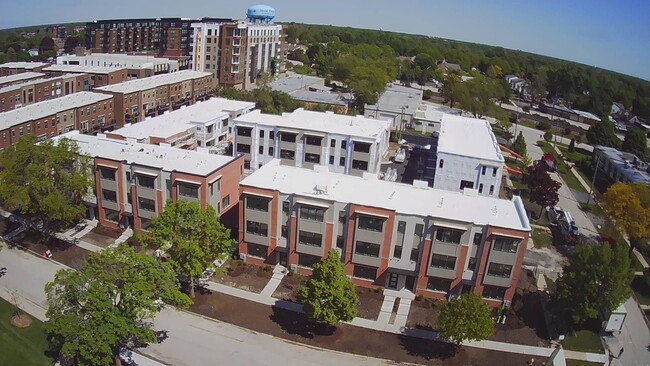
410,169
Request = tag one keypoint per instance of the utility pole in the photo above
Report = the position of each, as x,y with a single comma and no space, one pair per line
593,180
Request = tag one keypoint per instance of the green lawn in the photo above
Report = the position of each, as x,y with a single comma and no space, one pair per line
25,346
581,363
583,341
542,238
641,291
563,169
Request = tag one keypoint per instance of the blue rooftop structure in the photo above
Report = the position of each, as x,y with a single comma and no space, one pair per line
260,13
621,166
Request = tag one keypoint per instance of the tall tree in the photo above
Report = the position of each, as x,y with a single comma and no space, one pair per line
451,87
628,205
519,145
46,181
108,304
47,44
543,188
328,296
193,237
603,133
597,279
636,143
465,318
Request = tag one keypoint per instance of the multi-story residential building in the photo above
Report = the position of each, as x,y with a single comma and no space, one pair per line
85,111
133,181
206,47
38,90
202,124
232,58
20,78
168,37
346,144
139,66
397,104
467,156
432,242
619,166
99,75
19,67
152,96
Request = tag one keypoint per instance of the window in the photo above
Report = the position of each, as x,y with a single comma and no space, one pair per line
188,190
244,148
284,231
288,137
509,245
312,213
244,131
438,284
270,150
285,207
261,150
107,173
499,270
261,134
480,188
287,154
466,184
397,251
225,202
340,240
271,135
477,239
441,163
108,195
359,164
313,140
370,223
146,181
312,158
309,238
367,273
493,292
491,190
111,215
146,204
256,250
342,161
449,236
368,249
257,228
331,160
443,261
332,143
308,261
401,227
494,171
257,203
483,170
343,217
344,144
471,265
361,147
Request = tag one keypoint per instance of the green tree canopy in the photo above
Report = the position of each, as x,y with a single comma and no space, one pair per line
108,304
603,133
328,296
636,143
597,279
46,181
465,318
451,87
519,145
193,237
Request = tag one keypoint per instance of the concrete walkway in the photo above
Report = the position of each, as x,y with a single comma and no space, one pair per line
278,274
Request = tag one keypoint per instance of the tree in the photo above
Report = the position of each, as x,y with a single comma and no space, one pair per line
328,296
543,188
47,44
628,204
548,136
603,133
635,142
108,304
597,279
519,145
572,145
451,87
193,237
71,43
465,318
46,181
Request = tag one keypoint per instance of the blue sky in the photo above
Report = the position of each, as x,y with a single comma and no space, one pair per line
612,34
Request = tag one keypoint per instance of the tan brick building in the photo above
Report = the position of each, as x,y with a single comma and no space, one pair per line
99,75
18,67
38,90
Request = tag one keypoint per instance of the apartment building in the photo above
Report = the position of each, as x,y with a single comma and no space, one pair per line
152,96
432,242
233,55
20,78
203,124
133,181
85,111
205,48
346,144
618,166
139,66
38,90
99,75
19,67
468,156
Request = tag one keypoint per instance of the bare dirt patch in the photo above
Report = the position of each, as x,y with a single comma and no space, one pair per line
422,314
101,236
244,276
288,288
21,321
370,301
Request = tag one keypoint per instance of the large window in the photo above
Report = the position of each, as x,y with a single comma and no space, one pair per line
312,158
438,284
257,228
493,292
370,223
107,173
449,236
244,131
308,261
287,154
359,164
340,241
309,238
188,190
108,195
499,270
368,249
471,265
111,215
466,184
244,148
256,250
146,204
146,181
257,203
477,239
288,137
367,273
313,140
443,261
361,147
503,244
312,213
285,207
225,202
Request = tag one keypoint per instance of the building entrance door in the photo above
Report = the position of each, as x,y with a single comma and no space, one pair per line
282,257
393,278
410,283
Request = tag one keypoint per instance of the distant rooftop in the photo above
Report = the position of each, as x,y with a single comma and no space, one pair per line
114,60
395,97
294,82
22,65
22,76
587,115
402,198
466,136
49,107
327,122
433,112
619,159
153,81
318,97
81,68
34,81
163,157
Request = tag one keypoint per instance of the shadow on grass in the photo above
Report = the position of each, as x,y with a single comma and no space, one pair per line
427,349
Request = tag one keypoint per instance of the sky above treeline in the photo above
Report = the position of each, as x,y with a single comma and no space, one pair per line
611,34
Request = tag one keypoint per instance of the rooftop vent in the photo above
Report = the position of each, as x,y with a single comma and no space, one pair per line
320,189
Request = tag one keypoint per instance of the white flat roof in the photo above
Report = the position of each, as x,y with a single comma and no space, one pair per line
153,81
466,136
81,68
22,65
49,107
294,82
328,122
172,123
161,157
395,97
402,198
115,60
22,76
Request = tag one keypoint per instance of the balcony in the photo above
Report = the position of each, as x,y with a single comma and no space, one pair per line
400,263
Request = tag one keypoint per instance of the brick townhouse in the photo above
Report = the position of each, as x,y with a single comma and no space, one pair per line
38,90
